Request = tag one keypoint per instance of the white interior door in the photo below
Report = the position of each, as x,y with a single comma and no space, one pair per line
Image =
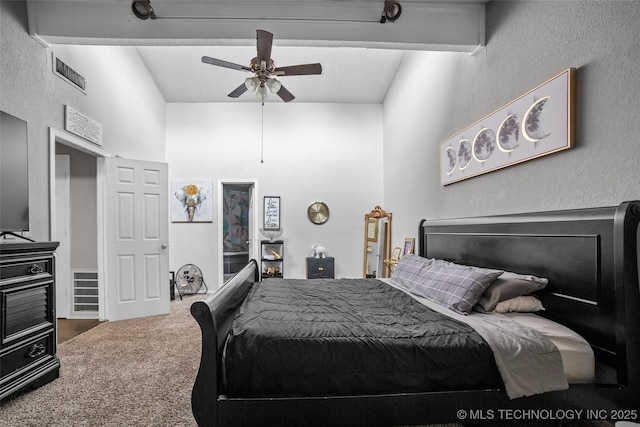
63,230
137,233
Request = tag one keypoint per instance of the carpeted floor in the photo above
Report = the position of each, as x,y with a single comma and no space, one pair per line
135,372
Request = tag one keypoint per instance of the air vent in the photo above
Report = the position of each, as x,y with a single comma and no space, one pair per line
68,74
85,293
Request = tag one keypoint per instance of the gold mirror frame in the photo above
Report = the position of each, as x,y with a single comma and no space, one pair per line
371,221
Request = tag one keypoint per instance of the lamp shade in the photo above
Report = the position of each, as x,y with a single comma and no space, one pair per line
252,83
274,85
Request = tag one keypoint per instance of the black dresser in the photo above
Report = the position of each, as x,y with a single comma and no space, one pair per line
320,268
28,318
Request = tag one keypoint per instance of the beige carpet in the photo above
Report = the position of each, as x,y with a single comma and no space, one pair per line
129,373
135,372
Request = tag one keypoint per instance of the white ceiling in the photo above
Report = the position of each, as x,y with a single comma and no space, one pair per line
348,74
359,55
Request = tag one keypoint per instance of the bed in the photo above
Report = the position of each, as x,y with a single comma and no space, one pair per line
590,257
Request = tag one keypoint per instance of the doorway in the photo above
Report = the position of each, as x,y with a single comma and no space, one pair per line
63,140
237,221
140,297
76,230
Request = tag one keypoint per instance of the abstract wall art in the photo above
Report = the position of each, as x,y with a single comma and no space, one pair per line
536,124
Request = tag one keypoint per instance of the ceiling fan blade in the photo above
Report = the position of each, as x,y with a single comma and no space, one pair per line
264,41
238,91
225,64
299,70
285,94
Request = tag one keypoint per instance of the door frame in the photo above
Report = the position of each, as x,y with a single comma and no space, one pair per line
253,221
65,138
62,202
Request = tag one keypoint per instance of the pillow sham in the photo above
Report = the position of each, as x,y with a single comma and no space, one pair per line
510,285
521,304
410,269
454,286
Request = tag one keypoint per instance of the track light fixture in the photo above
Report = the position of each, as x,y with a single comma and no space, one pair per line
143,10
391,11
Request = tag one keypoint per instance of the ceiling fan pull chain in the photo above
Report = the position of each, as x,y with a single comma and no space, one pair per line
262,134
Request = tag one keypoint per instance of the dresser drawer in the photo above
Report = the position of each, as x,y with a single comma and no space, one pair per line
320,268
27,355
33,269
26,309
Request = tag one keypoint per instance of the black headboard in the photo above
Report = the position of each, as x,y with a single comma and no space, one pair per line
590,257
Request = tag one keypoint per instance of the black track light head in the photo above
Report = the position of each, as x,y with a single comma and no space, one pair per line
391,12
143,10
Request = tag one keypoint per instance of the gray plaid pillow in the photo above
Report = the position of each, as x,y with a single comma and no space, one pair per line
454,286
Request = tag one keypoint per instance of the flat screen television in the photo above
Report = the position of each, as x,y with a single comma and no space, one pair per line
14,175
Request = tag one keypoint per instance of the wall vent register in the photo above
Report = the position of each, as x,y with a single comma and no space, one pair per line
68,74
85,292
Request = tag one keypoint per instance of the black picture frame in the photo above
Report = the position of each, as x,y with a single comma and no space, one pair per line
271,213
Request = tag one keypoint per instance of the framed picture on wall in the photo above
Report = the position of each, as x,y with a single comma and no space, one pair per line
538,123
271,212
191,200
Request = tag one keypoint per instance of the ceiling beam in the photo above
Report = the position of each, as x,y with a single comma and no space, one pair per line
424,24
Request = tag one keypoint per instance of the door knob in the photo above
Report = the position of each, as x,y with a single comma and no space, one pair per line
164,246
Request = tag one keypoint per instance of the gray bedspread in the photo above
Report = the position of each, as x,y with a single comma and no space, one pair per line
349,336
529,363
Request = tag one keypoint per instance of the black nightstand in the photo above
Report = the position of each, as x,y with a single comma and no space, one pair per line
320,268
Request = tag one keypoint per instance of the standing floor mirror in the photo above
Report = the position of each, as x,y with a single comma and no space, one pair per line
377,243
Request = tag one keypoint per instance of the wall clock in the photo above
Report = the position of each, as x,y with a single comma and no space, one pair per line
318,212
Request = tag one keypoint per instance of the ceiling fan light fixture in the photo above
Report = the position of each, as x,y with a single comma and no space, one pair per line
274,85
142,9
263,83
252,83
391,12
261,93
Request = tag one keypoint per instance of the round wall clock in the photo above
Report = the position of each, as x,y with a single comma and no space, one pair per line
318,212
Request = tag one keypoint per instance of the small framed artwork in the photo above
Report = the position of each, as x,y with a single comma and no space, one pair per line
191,200
395,255
409,243
372,230
271,212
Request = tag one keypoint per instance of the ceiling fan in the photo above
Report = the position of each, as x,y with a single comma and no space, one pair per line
265,70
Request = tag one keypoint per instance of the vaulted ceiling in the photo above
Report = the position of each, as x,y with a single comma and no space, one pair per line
359,55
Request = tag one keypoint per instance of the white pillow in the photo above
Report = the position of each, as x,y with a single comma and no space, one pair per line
521,304
510,285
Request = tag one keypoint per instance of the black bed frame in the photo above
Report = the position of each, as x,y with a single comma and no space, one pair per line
591,259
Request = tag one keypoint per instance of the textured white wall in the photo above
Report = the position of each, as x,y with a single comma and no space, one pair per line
324,152
528,42
435,95
120,95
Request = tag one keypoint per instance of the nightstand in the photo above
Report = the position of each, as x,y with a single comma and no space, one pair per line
320,268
